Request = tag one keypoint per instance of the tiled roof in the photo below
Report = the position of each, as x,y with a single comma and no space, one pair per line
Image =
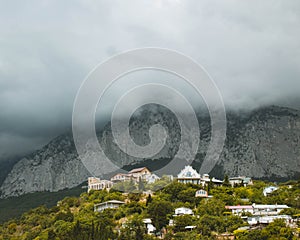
137,170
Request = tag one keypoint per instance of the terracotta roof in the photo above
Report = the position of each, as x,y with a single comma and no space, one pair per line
138,170
239,207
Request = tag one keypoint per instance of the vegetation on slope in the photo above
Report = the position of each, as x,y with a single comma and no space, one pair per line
74,217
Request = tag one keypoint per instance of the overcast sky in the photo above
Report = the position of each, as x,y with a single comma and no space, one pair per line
250,48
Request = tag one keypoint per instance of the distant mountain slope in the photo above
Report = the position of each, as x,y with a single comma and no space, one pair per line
15,206
261,144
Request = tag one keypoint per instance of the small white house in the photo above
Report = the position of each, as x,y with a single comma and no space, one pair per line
268,190
150,228
201,193
183,211
106,205
152,178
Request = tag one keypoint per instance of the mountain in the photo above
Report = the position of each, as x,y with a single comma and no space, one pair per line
263,144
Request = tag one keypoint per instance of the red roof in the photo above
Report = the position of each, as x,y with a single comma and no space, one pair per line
138,170
239,207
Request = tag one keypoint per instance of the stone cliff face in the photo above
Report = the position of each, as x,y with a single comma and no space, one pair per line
261,144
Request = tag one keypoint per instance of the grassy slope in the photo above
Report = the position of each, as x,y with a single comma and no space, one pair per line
15,206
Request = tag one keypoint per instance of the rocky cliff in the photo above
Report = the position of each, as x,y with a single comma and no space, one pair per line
261,144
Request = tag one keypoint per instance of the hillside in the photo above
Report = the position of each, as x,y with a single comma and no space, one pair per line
74,217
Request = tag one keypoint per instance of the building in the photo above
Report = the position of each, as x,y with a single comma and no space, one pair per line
205,179
240,209
257,209
120,177
98,184
140,172
189,175
183,211
201,193
152,178
241,180
268,190
107,205
149,226
267,219
136,175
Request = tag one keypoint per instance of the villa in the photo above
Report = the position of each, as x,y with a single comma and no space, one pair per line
97,184
241,180
190,175
108,205
136,175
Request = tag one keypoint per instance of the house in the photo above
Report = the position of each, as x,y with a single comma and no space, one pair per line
149,226
152,178
205,179
107,205
257,209
189,175
135,175
201,193
240,209
183,211
98,184
261,209
240,180
268,219
120,177
268,190
140,173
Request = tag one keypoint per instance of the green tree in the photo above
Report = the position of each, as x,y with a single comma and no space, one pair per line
158,211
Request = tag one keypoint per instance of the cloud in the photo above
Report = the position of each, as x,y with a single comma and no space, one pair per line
250,48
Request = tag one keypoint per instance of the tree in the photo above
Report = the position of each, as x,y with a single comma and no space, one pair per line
182,221
226,182
159,210
213,207
148,200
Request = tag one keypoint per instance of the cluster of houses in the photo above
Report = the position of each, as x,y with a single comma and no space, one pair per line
260,213
186,175
254,214
135,175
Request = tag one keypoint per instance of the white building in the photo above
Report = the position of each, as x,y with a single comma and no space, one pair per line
189,175
205,179
107,205
149,226
201,193
135,175
152,178
183,211
240,180
267,219
98,184
268,190
257,209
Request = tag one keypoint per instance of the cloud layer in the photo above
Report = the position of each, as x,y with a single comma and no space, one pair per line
250,48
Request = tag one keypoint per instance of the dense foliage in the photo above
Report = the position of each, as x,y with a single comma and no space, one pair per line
74,217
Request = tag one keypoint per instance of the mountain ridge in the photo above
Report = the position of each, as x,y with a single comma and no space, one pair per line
262,144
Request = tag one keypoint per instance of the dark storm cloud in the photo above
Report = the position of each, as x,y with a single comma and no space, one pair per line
250,48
